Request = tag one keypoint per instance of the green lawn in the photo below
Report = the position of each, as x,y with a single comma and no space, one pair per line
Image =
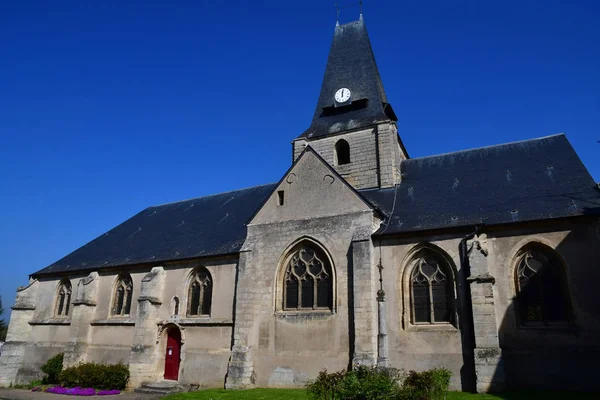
300,394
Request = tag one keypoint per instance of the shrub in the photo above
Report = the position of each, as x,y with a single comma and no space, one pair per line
97,376
373,383
376,383
427,385
326,386
52,369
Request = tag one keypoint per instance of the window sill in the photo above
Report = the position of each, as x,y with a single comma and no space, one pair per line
51,321
432,328
197,321
303,315
113,321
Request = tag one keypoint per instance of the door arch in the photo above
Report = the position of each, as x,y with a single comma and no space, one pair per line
173,354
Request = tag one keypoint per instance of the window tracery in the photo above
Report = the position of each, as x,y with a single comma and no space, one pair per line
432,291
541,290
200,293
308,284
63,301
123,296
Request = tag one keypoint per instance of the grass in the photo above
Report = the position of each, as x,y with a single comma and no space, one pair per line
300,394
251,394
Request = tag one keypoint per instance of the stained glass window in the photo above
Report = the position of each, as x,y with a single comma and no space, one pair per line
200,293
542,295
123,296
432,291
307,280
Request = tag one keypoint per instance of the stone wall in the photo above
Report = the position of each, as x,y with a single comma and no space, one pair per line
91,333
487,349
375,155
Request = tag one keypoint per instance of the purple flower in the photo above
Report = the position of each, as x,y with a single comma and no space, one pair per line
108,392
76,391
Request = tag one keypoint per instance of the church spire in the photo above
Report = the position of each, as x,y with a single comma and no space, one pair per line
352,94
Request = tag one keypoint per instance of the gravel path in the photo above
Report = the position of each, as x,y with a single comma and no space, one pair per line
18,394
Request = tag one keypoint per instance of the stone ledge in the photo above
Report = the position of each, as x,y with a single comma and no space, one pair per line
431,328
202,321
304,315
50,321
121,321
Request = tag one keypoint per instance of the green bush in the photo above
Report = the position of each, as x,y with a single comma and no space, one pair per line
372,383
427,385
52,369
97,376
376,383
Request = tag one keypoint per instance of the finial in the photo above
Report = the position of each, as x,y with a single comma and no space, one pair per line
338,9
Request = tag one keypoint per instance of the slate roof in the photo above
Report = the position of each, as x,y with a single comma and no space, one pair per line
515,182
351,64
206,226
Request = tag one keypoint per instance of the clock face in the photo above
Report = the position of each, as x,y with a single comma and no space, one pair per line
342,95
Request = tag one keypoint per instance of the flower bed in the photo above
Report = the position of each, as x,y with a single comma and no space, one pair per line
78,391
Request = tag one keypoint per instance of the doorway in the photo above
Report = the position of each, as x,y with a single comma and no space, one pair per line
173,355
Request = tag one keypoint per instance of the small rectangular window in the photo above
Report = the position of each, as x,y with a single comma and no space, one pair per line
280,197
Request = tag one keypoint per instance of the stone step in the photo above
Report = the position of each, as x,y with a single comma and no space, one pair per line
160,387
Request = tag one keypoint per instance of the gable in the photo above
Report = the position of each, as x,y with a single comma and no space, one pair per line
310,189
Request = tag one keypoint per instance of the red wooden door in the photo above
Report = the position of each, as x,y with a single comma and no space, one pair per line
172,356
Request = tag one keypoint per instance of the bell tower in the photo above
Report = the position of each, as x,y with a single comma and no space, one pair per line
354,126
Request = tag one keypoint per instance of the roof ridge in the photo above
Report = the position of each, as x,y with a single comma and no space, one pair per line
488,147
211,195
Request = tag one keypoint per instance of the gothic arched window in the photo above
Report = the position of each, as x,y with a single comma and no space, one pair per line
308,281
123,296
541,289
432,290
63,299
200,293
342,152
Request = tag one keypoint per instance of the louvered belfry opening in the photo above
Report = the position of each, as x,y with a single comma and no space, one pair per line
63,301
432,290
542,296
123,296
308,281
200,293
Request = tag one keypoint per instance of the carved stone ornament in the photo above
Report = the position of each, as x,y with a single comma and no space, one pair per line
328,179
291,178
480,243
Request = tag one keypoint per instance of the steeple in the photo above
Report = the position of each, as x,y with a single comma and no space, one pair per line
352,94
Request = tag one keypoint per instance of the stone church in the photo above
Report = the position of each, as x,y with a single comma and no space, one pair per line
483,261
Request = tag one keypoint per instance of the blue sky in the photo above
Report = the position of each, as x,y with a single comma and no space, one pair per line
109,107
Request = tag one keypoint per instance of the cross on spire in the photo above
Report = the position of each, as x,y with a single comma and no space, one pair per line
338,9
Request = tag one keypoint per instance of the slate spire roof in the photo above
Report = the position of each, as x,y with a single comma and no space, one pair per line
351,64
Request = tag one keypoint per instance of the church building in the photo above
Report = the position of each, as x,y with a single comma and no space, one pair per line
483,261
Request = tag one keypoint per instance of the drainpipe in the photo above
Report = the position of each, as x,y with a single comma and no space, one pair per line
382,341
465,316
